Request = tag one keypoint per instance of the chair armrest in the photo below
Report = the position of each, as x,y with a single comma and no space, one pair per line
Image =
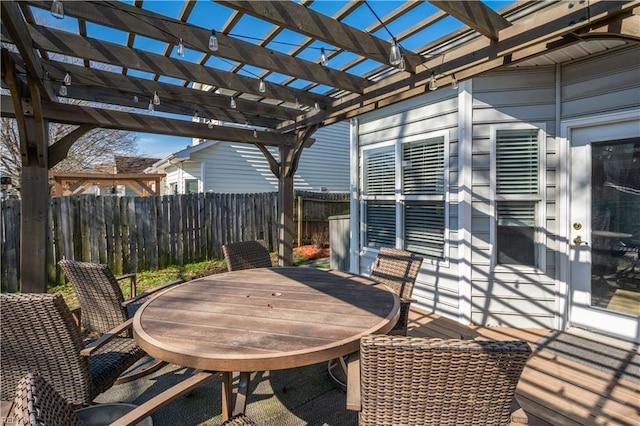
157,402
151,291
407,300
77,316
354,398
114,332
132,282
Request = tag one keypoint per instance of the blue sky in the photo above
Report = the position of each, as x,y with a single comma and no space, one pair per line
208,14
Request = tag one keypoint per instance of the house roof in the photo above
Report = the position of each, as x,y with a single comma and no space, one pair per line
130,165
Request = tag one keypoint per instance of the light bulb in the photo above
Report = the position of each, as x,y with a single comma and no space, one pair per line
317,106
323,57
433,84
454,82
262,87
195,116
233,103
402,65
255,133
67,79
151,107
63,90
135,98
213,42
57,9
395,55
181,49
210,123
156,98
298,106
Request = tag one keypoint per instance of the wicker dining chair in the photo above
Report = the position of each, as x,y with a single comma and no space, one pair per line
39,333
417,381
398,269
246,255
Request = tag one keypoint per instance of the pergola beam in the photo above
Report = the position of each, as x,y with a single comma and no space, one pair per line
476,15
296,17
111,119
132,19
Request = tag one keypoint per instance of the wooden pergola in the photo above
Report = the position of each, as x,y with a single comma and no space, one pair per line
77,183
283,112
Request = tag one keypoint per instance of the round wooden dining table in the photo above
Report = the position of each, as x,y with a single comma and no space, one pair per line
263,319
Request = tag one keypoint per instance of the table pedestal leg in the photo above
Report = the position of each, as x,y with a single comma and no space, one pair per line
243,393
227,395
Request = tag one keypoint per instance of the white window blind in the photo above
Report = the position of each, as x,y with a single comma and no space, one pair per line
381,224
423,167
516,214
379,171
424,228
517,161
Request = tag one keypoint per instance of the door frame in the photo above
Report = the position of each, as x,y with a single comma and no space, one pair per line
563,284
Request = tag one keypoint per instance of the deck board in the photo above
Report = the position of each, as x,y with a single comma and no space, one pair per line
554,388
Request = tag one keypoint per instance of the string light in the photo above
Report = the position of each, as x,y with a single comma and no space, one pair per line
323,58
63,90
395,55
433,84
181,49
195,116
156,98
213,42
255,133
298,106
402,66
317,106
262,87
151,107
135,98
67,79
233,103
210,123
57,9
454,82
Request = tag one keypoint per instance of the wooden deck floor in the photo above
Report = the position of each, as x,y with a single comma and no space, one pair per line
555,388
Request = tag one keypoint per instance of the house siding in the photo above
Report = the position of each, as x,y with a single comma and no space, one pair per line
541,96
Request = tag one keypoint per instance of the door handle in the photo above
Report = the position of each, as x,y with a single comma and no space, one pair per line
578,241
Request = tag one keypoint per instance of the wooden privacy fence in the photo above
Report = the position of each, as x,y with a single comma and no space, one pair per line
146,233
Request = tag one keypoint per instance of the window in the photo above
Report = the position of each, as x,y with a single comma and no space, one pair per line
191,186
404,195
518,197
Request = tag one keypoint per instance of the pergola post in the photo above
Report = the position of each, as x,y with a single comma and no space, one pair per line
285,207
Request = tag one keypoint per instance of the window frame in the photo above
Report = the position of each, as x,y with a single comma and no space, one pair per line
540,200
401,200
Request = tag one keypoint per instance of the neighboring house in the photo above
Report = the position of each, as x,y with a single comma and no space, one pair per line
521,188
226,167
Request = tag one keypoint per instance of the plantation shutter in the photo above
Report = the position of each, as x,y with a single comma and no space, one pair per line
517,161
381,224
379,171
516,214
423,167
424,228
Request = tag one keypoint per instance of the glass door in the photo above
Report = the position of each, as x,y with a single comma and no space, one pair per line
605,229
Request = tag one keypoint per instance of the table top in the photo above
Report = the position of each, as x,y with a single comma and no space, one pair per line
264,319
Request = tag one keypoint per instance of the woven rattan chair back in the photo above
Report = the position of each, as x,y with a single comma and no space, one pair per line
39,334
416,381
246,255
99,295
397,269
36,402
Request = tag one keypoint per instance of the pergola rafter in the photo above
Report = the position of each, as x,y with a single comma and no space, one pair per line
299,95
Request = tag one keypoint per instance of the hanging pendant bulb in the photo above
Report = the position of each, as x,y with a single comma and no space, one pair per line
395,55
255,133
67,79
433,84
402,65
195,116
262,87
151,107
181,49
135,98
316,106
210,123
57,9
298,106
233,103
156,98
63,90
454,82
213,42
323,58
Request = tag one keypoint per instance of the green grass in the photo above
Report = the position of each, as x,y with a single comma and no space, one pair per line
150,279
